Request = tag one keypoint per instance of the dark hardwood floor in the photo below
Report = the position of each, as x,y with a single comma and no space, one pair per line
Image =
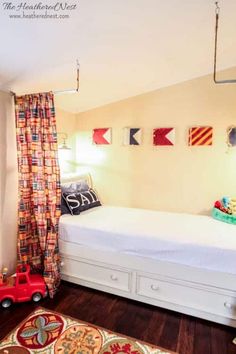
170,330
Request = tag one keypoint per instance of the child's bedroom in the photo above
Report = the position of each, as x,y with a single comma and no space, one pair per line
118,177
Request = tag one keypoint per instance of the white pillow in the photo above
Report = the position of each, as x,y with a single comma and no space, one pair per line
72,187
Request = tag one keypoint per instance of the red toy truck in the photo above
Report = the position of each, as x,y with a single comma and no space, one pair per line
21,287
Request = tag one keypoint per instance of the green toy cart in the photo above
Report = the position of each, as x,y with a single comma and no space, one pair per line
219,215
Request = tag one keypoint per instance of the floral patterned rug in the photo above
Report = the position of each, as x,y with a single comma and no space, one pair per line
47,332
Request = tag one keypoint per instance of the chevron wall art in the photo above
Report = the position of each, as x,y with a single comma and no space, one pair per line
102,136
164,136
132,136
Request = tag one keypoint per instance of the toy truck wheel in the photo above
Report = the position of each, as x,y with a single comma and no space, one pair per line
36,297
6,303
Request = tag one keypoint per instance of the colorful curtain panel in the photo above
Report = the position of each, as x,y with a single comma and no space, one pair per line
39,186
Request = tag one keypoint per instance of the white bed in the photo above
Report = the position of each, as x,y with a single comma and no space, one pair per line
181,262
192,240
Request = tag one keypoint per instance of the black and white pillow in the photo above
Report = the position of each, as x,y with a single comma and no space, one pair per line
64,207
71,187
78,202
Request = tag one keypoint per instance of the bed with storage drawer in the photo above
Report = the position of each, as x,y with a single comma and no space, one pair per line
181,262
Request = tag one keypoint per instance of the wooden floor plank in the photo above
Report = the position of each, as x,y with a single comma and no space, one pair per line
155,326
202,338
185,343
170,333
134,319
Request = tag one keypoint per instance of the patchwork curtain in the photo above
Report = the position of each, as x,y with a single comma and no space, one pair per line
39,186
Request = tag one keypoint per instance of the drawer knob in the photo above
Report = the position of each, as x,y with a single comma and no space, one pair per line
154,287
62,264
114,277
228,305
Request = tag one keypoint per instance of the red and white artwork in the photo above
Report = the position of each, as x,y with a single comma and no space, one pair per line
164,136
102,136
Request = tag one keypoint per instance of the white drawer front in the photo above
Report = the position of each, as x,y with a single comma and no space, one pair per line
98,274
185,295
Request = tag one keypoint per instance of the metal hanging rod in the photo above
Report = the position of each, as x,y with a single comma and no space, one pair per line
230,81
60,92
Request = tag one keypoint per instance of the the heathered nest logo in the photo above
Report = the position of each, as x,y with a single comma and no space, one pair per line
39,10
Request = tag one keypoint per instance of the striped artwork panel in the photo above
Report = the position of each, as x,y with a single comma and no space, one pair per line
199,136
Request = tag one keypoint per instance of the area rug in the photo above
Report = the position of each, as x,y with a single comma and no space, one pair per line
48,332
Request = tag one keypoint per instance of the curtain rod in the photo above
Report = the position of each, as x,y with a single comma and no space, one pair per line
216,81
60,92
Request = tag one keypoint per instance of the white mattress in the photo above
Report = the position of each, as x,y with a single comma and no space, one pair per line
193,240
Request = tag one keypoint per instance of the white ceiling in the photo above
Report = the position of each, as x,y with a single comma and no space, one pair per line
125,47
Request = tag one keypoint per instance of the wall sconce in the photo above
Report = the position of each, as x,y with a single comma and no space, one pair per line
64,137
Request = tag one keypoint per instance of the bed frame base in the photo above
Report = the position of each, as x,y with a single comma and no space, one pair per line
192,291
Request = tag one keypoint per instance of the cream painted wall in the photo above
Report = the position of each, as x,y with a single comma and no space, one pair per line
179,178
8,183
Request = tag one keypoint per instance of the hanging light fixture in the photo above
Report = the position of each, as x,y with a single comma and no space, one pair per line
64,137
229,81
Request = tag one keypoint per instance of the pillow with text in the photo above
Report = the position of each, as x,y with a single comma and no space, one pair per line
78,202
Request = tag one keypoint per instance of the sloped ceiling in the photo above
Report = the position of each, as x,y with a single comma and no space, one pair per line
125,48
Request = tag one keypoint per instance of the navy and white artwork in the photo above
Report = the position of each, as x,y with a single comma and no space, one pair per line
232,136
132,136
